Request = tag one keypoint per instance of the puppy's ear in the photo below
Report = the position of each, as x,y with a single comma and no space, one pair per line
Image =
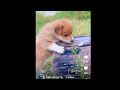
58,29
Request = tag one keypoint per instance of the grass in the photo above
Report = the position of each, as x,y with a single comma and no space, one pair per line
74,50
80,68
81,27
47,67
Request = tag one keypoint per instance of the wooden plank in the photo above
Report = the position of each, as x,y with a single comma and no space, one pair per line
66,64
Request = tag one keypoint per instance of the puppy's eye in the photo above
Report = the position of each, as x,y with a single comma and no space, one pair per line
62,27
66,35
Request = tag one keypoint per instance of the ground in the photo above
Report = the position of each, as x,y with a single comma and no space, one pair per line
69,63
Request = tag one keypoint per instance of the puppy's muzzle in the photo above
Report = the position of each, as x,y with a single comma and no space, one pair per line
72,39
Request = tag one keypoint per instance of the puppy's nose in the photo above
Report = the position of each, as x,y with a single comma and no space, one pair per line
72,39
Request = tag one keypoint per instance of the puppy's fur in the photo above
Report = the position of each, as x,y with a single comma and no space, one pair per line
58,30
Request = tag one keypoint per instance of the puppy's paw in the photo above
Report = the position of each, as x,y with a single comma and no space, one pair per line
59,49
54,47
80,44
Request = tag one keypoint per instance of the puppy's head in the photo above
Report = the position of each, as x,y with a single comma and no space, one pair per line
63,30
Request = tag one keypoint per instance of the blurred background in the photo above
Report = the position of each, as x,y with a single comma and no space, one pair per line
81,20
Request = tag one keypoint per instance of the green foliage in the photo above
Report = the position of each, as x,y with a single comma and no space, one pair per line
74,50
81,21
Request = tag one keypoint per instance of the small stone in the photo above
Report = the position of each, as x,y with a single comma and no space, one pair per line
86,72
77,65
85,57
86,67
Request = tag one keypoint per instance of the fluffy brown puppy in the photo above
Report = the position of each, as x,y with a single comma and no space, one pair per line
58,30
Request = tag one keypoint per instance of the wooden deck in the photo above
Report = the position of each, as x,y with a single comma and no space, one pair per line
66,64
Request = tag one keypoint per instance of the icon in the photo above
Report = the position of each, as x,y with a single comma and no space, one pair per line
41,76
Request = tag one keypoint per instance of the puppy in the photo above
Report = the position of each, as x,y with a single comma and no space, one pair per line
58,30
